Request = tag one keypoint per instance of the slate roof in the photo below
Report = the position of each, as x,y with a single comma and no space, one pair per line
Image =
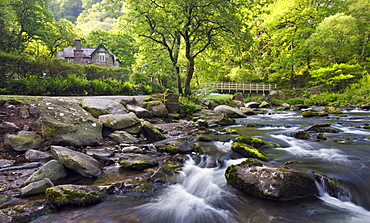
69,52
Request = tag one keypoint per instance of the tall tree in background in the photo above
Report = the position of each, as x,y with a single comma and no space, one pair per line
195,22
32,20
7,25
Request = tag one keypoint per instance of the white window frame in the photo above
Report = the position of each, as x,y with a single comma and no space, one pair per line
102,57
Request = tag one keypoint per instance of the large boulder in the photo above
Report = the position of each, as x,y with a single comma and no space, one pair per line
77,195
79,162
119,122
97,107
65,122
260,180
26,140
53,170
229,111
171,100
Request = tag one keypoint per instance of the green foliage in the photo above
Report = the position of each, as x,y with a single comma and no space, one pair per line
338,76
190,104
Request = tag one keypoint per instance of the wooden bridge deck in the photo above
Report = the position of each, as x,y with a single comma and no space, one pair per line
232,87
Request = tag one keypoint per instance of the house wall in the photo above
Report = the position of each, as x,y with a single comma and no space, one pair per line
108,59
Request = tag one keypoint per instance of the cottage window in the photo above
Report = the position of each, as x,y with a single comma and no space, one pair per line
101,57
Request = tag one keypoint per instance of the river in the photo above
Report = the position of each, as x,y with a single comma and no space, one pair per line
202,195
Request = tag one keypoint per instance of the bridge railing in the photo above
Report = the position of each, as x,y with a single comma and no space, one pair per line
240,87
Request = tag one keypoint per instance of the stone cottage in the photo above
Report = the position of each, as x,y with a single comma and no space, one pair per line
98,56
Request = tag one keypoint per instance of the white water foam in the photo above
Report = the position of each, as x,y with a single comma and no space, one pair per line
194,199
223,146
358,214
305,149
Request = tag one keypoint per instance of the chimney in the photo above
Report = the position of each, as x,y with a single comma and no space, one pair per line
78,44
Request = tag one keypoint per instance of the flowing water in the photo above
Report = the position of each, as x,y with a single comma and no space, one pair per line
203,196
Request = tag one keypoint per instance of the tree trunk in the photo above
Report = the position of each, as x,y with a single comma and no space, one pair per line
189,75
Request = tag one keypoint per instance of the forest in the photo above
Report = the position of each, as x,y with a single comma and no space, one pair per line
316,51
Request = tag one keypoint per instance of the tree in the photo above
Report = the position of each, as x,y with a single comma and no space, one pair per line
7,24
336,37
32,20
195,22
62,33
119,42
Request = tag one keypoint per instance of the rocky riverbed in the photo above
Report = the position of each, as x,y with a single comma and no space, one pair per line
59,152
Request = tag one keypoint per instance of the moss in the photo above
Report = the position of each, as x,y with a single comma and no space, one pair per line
134,165
315,113
301,135
248,151
95,112
173,149
256,142
48,131
251,162
226,121
203,138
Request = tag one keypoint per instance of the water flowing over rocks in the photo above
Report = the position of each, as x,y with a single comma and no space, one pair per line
265,181
64,122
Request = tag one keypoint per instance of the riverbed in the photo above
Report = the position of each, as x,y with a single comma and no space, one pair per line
202,194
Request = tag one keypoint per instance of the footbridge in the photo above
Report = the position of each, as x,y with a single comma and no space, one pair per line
232,87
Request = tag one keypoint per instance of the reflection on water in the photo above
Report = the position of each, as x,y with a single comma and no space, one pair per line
202,194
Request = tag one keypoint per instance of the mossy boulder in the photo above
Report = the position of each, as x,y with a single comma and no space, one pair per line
301,135
157,108
248,151
314,113
256,142
179,146
76,195
137,161
151,132
26,140
258,179
226,121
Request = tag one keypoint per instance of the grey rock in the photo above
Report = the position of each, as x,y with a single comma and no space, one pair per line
37,187
98,107
119,122
123,137
53,170
139,111
36,155
79,162
137,161
151,132
157,108
26,140
229,111
65,122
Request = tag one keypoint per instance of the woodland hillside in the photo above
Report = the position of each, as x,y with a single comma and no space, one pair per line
296,44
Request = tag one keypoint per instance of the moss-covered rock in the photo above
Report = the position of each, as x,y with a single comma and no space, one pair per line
179,146
26,140
77,195
314,113
323,128
248,151
256,142
301,135
151,132
137,161
226,121
257,179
